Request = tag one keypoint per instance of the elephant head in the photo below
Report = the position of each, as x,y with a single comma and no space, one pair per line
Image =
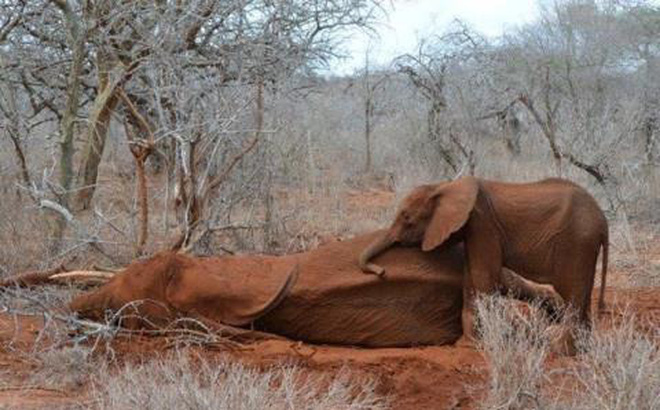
170,285
427,216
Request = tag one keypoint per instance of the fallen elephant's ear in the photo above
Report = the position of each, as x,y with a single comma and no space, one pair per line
245,318
225,298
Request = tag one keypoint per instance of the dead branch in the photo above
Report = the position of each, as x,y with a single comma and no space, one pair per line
549,133
141,149
188,237
215,182
61,210
18,149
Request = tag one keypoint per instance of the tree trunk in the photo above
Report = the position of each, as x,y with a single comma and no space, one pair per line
368,112
76,39
143,204
12,131
68,123
99,123
435,134
510,126
136,124
649,129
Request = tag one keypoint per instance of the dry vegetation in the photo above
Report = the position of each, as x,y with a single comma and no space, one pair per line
618,367
119,137
184,384
516,344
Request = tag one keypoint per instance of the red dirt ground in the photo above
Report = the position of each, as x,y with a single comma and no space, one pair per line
445,377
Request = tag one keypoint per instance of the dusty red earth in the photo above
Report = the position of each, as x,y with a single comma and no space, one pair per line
443,377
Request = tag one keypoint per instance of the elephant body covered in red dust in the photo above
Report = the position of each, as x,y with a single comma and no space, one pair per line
317,296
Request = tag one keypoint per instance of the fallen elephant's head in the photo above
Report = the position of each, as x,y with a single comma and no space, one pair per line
170,285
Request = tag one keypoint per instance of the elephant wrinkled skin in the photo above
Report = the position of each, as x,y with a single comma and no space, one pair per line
317,296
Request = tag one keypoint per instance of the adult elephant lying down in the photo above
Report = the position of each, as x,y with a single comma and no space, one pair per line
317,296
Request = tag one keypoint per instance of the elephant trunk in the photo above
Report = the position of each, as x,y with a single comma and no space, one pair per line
373,250
92,305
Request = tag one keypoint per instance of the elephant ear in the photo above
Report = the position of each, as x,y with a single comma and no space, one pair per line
454,202
226,297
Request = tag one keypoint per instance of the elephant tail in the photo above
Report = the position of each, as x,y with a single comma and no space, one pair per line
603,273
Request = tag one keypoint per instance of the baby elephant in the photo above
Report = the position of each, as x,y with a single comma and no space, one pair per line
549,231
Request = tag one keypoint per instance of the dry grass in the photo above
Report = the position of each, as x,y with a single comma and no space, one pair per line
60,364
64,368
516,344
45,305
618,367
181,383
619,370
37,300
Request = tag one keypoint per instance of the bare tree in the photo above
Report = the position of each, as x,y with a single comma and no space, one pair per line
133,54
563,72
370,84
429,70
641,36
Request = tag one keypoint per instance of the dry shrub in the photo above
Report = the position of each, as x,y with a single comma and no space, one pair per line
40,306
38,299
181,383
617,368
515,342
620,368
24,242
64,368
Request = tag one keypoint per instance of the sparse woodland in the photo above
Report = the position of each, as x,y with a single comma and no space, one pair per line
132,126
216,126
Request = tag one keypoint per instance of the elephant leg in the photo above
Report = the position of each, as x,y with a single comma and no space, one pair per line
467,314
574,281
527,291
482,276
